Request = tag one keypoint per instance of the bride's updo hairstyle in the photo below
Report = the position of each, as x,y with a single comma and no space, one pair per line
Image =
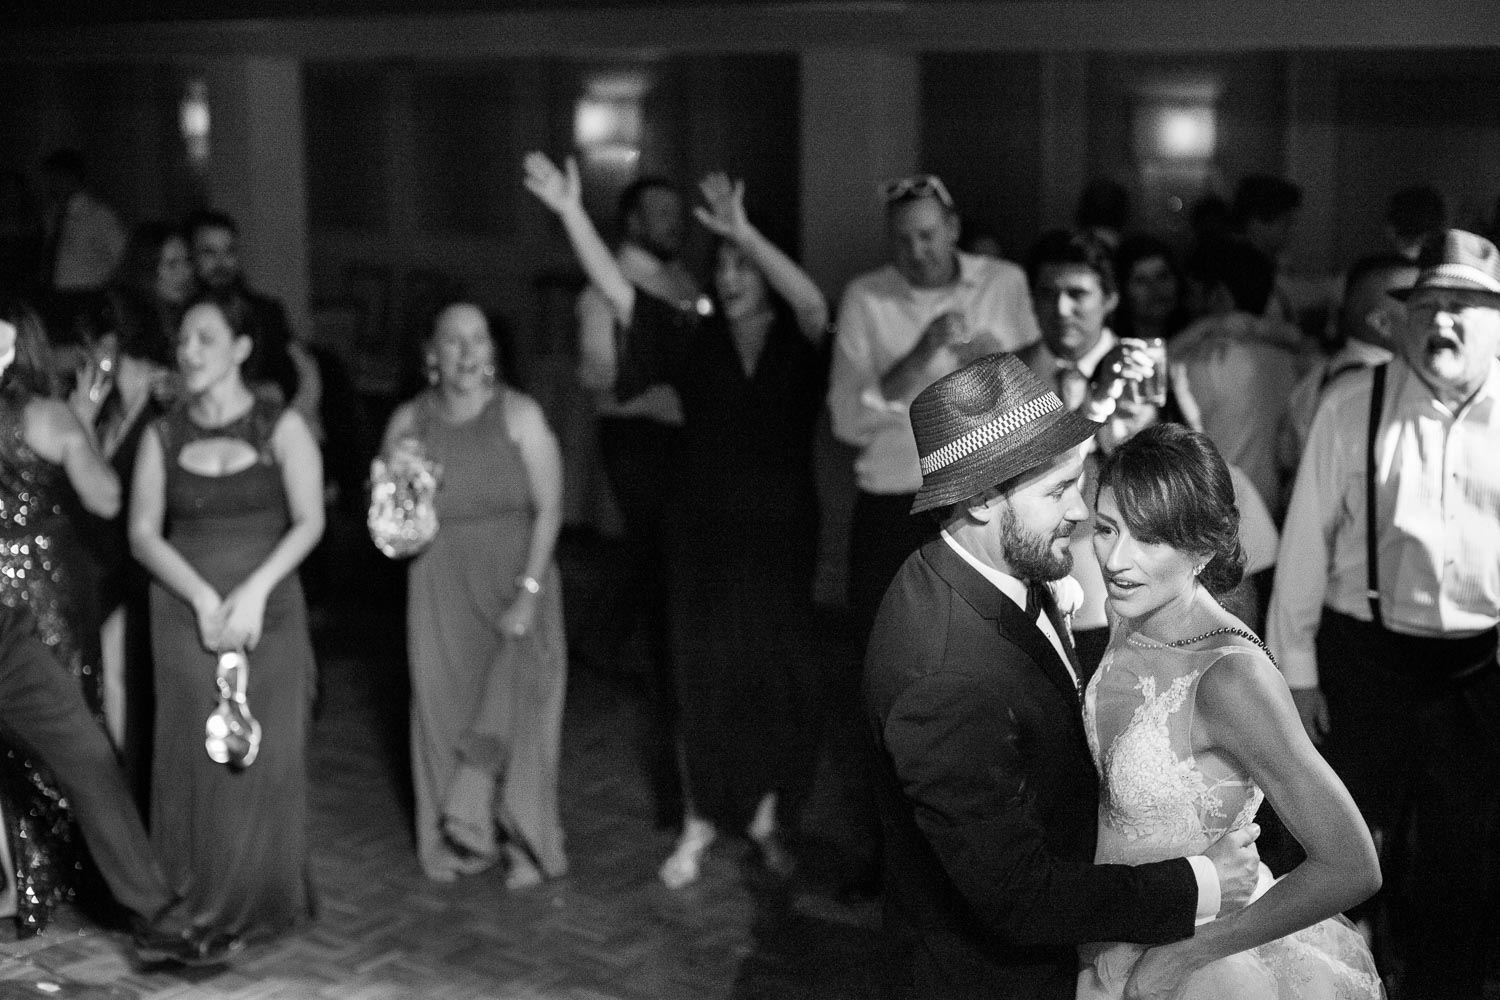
1173,488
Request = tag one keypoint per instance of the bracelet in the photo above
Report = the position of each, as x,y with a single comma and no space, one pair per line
530,584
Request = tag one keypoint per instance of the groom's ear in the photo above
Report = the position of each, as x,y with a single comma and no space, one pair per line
986,505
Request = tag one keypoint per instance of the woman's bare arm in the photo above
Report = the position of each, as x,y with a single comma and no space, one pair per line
53,431
1246,711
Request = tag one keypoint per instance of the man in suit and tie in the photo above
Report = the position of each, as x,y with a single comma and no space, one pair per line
987,792
1073,292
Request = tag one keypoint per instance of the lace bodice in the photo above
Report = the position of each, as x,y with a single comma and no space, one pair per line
1161,797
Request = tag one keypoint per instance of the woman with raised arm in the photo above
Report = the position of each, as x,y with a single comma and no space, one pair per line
1188,720
50,467
750,369
484,616
227,501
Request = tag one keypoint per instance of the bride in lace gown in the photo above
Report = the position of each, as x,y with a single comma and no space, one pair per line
1188,720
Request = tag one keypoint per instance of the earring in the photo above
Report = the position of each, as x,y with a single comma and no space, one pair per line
432,371
489,374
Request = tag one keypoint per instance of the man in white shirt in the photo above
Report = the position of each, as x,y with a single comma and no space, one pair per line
640,441
1240,366
84,237
900,328
1385,616
928,312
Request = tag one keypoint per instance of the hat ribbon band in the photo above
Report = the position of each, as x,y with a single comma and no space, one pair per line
1007,423
1464,272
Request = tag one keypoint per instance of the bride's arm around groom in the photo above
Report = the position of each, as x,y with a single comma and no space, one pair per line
1245,708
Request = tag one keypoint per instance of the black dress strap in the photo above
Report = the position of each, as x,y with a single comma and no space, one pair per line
1372,567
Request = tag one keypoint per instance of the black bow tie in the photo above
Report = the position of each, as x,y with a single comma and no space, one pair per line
1034,592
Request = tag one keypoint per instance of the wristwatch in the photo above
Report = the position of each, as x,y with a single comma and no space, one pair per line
529,584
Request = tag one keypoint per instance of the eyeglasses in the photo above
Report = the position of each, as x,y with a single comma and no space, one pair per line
916,186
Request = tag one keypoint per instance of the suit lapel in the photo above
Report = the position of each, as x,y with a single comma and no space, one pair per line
1011,621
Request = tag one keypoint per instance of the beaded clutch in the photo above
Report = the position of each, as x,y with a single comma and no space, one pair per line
403,514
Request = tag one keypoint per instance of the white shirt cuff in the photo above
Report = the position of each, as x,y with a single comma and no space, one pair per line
1300,669
872,398
1208,888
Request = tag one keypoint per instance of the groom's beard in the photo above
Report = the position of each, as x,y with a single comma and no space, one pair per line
1030,555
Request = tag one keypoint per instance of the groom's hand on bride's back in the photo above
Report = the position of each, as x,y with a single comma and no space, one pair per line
1237,861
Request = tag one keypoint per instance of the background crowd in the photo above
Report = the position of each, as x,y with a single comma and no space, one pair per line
163,424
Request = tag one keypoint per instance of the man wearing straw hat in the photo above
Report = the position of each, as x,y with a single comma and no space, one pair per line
988,795
1386,603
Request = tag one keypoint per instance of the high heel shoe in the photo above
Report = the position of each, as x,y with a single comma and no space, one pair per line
231,733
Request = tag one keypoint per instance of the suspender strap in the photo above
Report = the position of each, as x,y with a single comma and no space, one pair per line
1372,568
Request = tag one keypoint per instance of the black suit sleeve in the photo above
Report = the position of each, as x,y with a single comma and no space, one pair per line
958,755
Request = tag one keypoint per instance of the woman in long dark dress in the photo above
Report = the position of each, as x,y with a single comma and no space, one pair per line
50,469
145,301
744,538
227,501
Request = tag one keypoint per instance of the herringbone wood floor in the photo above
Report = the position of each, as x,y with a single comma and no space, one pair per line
608,929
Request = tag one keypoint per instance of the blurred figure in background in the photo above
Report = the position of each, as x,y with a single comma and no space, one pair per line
640,439
84,237
484,616
214,239
1240,364
50,471
1413,215
226,503
1153,290
1264,213
750,375
1368,326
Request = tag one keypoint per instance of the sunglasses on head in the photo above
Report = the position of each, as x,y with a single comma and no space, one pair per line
916,186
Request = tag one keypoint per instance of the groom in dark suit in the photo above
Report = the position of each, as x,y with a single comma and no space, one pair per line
987,790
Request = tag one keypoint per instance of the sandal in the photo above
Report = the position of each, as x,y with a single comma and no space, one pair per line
683,864
231,734
469,840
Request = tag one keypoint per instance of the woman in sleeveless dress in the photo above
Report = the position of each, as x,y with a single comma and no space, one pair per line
49,469
743,543
227,501
484,616
1188,719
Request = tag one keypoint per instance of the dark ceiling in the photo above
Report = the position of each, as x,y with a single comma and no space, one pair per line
64,12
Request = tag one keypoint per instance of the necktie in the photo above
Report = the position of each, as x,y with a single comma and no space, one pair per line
1072,386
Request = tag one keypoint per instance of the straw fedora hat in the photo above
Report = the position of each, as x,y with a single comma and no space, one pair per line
988,422
1457,261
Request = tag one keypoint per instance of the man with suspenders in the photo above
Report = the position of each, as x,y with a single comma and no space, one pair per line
1386,602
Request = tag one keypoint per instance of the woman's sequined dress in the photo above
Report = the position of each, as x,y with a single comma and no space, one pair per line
44,570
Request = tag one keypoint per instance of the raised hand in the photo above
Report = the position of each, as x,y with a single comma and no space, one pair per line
725,214
560,190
